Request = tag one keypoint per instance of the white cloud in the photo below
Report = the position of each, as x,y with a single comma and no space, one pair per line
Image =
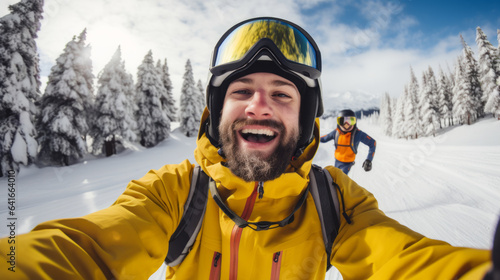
372,58
172,29
385,70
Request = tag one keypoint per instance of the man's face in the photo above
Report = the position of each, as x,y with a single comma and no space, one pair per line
346,127
259,126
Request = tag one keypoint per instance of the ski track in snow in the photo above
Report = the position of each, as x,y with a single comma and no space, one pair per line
445,187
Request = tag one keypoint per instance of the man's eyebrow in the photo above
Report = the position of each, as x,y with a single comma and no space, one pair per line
282,83
274,82
243,80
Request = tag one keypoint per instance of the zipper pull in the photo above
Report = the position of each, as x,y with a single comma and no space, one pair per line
216,259
276,257
260,188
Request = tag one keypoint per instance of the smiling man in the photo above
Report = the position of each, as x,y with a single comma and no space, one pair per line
256,143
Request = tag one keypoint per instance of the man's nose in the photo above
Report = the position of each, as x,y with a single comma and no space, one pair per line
259,106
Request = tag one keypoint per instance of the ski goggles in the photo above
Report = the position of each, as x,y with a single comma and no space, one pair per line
349,120
292,46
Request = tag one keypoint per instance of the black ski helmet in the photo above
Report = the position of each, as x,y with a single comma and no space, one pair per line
269,45
346,113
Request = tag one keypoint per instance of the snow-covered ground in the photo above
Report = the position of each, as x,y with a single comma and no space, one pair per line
446,187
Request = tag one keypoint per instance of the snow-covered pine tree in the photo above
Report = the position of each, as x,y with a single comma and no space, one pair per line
488,72
472,70
19,84
498,50
66,106
386,115
394,105
152,120
411,110
398,128
459,96
114,114
428,120
444,98
467,105
434,96
189,107
494,100
202,99
167,101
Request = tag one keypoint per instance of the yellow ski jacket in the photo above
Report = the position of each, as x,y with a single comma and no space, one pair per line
129,240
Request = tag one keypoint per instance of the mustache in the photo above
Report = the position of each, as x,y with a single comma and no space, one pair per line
240,123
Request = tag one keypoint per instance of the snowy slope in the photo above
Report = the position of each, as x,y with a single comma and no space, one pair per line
447,187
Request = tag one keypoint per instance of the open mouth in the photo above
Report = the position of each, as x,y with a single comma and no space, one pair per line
258,135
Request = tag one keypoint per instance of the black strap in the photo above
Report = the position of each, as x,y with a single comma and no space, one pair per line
323,191
194,209
258,226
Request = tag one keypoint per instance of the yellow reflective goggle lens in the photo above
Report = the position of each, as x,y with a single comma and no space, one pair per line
349,120
293,44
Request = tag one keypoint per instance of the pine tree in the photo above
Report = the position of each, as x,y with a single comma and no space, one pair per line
394,105
398,128
114,114
386,115
498,50
411,110
459,97
189,108
66,106
168,101
488,72
467,105
433,86
201,98
19,84
152,120
444,98
494,101
428,120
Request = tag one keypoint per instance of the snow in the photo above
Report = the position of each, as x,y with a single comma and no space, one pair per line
445,187
18,149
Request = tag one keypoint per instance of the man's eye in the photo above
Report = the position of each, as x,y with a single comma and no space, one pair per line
282,95
241,91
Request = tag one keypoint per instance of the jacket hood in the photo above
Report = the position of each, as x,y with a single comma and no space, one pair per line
295,176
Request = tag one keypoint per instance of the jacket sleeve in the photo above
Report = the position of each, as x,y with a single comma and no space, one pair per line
374,246
370,142
128,240
328,137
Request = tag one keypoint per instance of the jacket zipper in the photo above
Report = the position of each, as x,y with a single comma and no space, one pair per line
216,264
275,270
236,236
260,188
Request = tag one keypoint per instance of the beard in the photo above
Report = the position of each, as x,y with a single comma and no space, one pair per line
256,165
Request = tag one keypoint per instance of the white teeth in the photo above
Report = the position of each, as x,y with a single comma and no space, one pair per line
258,131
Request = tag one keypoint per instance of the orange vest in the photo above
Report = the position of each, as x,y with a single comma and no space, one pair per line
344,151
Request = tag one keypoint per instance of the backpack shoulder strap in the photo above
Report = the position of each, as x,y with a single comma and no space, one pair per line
336,140
322,189
353,135
184,236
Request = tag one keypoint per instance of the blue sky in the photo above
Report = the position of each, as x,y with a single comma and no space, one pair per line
368,46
